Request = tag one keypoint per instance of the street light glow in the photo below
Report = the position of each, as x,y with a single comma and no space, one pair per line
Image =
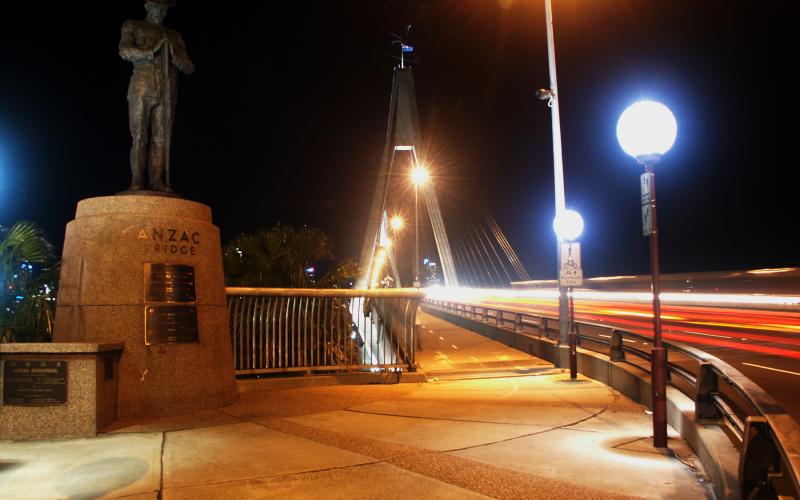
646,128
397,222
419,175
568,225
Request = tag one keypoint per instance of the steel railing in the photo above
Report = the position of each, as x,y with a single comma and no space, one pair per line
277,330
767,437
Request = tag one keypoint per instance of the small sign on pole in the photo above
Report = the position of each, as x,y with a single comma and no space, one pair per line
571,273
647,203
647,220
646,183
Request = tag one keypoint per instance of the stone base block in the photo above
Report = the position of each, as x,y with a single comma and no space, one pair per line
34,378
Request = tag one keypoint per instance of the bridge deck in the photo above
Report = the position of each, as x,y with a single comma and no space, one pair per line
491,421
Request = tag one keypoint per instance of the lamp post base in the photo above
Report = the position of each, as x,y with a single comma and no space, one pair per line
659,380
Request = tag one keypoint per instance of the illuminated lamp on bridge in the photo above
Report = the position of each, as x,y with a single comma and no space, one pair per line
397,223
568,225
646,130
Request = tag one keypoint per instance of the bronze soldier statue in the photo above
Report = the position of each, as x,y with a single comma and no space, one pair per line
157,53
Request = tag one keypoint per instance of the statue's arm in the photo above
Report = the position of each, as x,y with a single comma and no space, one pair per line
128,49
181,57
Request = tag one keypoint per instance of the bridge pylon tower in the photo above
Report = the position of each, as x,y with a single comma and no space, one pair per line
402,138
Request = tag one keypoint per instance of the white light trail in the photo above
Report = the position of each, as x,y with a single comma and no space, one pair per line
714,299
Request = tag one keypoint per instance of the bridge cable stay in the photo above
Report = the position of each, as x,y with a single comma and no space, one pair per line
440,235
471,269
494,251
466,272
491,261
482,275
484,255
479,258
495,278
506,245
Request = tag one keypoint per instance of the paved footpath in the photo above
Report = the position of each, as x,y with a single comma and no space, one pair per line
491,422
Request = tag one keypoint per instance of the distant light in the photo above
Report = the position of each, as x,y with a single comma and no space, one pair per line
425,261
310,269
646,128
568,225
406,48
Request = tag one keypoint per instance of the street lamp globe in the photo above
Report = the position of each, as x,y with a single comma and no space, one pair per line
647,130
568,225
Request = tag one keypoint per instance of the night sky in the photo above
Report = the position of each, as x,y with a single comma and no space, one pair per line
285,118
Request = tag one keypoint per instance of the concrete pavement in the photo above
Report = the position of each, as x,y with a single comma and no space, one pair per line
490,422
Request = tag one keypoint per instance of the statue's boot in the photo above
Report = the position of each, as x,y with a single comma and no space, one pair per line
160,186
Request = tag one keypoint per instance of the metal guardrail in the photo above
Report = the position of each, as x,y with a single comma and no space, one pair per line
280,330
767,437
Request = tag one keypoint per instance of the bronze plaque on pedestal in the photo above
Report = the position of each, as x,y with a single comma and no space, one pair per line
168,283
169,296
170,324
35,383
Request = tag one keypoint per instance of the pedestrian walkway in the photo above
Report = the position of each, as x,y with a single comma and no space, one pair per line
490,422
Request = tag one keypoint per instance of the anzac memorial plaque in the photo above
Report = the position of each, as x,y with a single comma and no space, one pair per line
35,383
170,324
169,283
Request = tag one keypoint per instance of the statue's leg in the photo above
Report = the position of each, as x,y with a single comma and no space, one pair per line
157,148
138,120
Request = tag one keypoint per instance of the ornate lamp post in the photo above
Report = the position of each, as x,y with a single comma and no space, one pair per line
647,130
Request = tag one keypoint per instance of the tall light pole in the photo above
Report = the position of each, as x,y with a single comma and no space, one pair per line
647,130
419,176
551,95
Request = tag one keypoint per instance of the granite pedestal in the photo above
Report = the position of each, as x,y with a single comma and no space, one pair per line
109,292
57,390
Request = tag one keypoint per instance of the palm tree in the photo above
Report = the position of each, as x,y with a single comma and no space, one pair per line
28,276
279,257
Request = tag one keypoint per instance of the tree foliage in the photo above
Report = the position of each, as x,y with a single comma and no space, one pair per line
278,258
29,276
